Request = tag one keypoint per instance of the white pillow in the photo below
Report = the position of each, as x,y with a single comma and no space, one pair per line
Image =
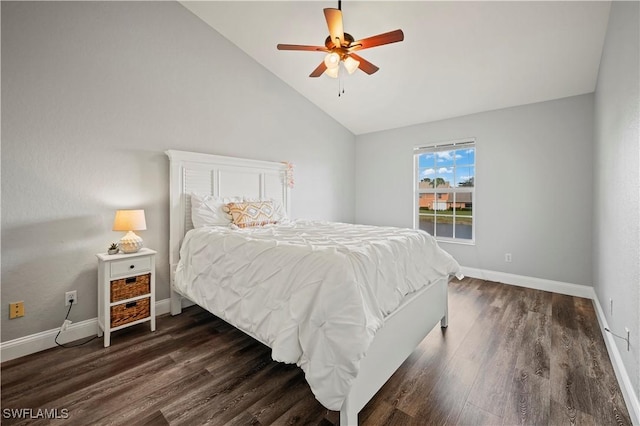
206,210
280,214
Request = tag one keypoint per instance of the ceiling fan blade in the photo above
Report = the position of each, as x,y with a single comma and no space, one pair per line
318,71
365,65
377,40
301,47
334,22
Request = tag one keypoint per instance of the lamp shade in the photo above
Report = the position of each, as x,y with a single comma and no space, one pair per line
129,220
332,72
332,60
351,64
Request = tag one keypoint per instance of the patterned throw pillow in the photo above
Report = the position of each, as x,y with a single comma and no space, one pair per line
251,213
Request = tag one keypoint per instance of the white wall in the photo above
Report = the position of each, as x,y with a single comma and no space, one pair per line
616,254
93,93
533,194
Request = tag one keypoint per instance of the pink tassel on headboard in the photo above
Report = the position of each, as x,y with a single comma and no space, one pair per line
289,174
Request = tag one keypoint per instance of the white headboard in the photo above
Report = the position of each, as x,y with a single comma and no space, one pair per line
221,177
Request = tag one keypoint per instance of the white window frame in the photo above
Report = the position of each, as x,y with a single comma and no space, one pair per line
438,147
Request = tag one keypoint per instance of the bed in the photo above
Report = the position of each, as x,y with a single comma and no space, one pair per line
348,337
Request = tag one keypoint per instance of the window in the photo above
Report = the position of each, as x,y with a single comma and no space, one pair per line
445,179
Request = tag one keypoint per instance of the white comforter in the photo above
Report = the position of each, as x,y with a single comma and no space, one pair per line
315,292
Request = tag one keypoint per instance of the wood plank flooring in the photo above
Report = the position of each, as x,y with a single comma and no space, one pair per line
510,356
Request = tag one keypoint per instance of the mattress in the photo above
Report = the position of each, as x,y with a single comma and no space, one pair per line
314,292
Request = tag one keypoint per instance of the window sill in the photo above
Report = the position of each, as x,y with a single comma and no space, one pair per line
452,241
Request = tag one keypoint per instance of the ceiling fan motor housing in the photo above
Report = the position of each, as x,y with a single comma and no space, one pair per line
348,39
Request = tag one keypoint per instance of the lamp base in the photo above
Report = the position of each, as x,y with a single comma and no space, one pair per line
130,243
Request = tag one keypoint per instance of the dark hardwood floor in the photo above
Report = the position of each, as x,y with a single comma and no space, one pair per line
510,356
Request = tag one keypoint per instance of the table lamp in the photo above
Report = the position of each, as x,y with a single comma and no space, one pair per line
129,221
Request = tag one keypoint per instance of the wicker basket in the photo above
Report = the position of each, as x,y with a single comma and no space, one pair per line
130,312
127,288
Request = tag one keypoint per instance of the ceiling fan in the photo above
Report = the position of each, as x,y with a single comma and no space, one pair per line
340,47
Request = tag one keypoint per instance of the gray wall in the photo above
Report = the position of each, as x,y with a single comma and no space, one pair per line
92,95
616,255
533,193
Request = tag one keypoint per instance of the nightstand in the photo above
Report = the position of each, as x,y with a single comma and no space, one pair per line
126,291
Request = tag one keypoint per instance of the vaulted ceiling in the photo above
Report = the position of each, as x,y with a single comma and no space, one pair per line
457,58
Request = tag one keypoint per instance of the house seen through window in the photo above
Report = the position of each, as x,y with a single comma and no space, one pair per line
445,190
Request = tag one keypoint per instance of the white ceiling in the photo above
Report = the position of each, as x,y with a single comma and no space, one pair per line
457,58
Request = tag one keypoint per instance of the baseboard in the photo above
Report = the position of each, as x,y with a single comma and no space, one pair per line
163,306
559,287
628,393
33,343
624,381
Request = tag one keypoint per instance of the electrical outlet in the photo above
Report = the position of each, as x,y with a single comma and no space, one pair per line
16,310
69,296
507,257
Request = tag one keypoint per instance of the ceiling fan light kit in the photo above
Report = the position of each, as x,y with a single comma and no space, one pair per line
340,47
332,62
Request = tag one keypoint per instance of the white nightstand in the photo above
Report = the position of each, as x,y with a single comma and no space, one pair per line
126,291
